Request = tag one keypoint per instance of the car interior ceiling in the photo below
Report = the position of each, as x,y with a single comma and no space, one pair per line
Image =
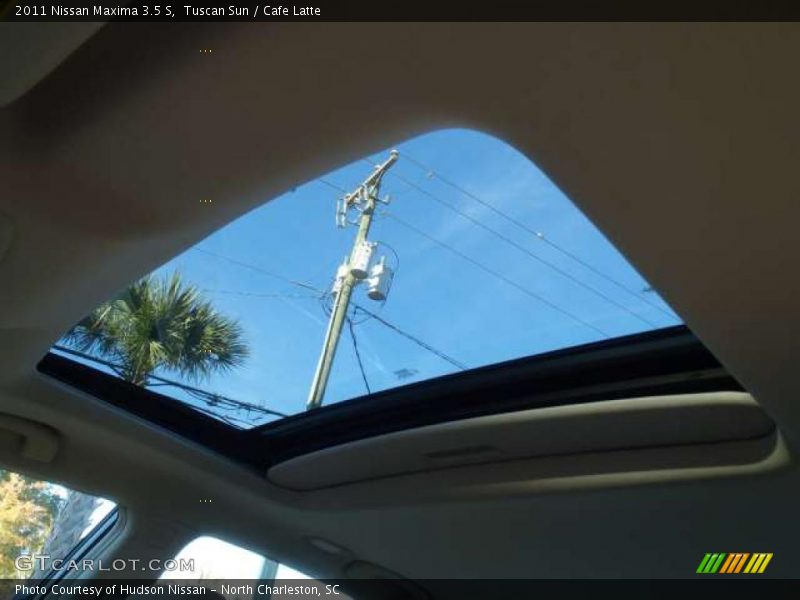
677,140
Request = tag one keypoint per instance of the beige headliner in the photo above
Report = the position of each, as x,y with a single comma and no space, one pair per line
679,141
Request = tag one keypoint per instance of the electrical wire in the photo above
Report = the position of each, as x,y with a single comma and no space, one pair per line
459,365
519,247
394,252
384,322
503,278
537,234
260,294
358,355
259,270
209,398
332,185
411,185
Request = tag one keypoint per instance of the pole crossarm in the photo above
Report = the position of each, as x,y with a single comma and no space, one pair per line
367,192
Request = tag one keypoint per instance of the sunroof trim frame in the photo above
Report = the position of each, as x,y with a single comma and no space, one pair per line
665,361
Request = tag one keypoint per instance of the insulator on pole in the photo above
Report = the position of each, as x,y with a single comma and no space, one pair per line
341,273
362,259
341,213
380,280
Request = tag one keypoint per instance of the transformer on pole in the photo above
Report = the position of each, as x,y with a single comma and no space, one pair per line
380,280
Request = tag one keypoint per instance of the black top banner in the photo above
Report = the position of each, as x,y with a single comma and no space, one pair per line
401,10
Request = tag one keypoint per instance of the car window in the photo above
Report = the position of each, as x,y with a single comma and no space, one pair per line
236,573
41,523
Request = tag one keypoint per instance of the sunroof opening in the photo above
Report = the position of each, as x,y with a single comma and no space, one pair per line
448,252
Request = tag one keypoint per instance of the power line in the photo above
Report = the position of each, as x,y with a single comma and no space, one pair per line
260,294
503,278
210,398
259,270
484,268
384,322
537,234
521,248
459,365
338,188
358,355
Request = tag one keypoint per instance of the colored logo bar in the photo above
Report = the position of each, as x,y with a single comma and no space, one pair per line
734,562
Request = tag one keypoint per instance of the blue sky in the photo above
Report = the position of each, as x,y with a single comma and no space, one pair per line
437,296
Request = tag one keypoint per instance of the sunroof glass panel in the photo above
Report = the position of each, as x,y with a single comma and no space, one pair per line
457,253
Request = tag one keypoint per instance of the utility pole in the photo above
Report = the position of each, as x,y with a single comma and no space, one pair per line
353,271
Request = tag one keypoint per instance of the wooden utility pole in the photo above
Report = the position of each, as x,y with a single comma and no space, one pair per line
364,199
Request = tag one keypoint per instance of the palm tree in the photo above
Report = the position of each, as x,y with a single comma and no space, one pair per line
161,324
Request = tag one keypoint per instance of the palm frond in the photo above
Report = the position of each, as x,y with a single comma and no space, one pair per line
161,324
